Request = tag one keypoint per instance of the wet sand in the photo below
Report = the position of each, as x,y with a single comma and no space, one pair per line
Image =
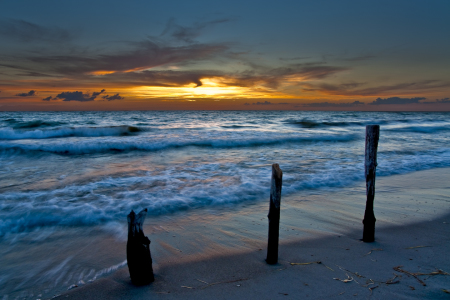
219,254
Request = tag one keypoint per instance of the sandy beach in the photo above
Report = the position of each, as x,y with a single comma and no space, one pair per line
220,254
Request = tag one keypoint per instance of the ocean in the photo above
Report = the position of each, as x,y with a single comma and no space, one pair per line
64,173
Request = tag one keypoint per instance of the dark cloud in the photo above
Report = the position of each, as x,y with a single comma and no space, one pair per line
272,78
445,100
30,93
308,70
146,54
396,100
95,94
327,104
78,96
48,98
27,71
353,89
162,78
189,33
266,103
34,74
11,66
24,31
113,97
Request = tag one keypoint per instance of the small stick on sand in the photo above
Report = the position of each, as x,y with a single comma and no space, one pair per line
372,136
274,215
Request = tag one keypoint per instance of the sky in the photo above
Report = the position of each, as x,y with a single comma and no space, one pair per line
245,55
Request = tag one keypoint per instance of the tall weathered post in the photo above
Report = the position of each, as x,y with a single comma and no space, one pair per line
370,164
138,250
274,215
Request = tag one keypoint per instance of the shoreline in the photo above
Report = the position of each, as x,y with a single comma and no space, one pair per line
227,249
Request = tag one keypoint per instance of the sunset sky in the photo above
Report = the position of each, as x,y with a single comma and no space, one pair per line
296,55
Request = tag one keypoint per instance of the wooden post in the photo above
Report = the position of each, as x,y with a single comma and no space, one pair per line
274,215
139,257
370,164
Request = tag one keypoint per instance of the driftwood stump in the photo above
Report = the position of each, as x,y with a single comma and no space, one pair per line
138,250
370,164
274,215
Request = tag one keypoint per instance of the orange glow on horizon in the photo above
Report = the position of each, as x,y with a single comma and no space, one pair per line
210,88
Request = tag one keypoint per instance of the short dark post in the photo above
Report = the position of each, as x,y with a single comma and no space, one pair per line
274,215
138,250
370,164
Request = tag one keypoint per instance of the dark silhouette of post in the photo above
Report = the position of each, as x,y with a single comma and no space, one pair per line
370,165
138,250
274,215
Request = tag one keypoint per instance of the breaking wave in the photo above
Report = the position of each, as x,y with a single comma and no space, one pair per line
144,144
12,134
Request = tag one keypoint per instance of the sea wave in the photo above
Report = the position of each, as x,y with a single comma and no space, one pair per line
306,123
12,134
31,124
149,144
420,129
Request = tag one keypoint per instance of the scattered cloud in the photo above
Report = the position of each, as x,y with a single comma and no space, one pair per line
143,55
379,101
143,62
266,103
444,100
113,97
309,70
78,96
354,89
24,31
397,100
34,74
11,66
262,103
327,104
271,78
95,94
168,78
188,34
48,98
30,93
